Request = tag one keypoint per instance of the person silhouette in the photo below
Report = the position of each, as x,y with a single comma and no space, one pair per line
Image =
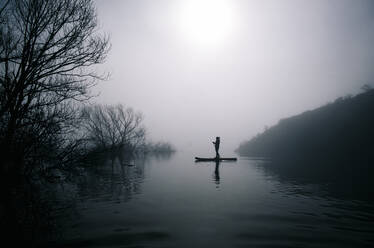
216,146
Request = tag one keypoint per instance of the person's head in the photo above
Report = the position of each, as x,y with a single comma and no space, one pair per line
217,138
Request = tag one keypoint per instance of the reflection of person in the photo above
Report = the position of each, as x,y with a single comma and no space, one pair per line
216,173
216,146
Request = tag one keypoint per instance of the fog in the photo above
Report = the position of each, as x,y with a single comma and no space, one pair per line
200,69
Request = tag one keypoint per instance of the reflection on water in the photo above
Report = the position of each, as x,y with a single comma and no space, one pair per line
216,174
116,179
342,180
173,202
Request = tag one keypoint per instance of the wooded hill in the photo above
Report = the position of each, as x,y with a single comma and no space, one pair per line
339,131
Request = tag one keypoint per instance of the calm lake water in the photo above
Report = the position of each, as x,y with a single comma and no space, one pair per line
175,202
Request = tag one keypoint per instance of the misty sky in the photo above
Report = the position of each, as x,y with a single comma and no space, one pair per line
202,68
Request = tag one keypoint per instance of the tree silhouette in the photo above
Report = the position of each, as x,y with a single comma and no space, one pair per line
112,127
47,52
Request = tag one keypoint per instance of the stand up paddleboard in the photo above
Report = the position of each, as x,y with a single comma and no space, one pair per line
218,158
198,159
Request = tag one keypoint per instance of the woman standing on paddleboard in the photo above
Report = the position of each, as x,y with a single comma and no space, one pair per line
216,146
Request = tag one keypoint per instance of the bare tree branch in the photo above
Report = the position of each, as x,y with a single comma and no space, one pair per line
47,52
109,127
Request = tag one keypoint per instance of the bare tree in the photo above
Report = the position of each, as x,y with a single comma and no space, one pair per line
110,127
2,10
48,49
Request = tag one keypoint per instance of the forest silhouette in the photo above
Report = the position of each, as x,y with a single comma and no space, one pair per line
332,140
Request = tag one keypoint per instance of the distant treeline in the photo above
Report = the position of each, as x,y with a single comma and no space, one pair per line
342,130
159,147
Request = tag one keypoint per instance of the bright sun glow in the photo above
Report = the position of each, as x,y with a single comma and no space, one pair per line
206,22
